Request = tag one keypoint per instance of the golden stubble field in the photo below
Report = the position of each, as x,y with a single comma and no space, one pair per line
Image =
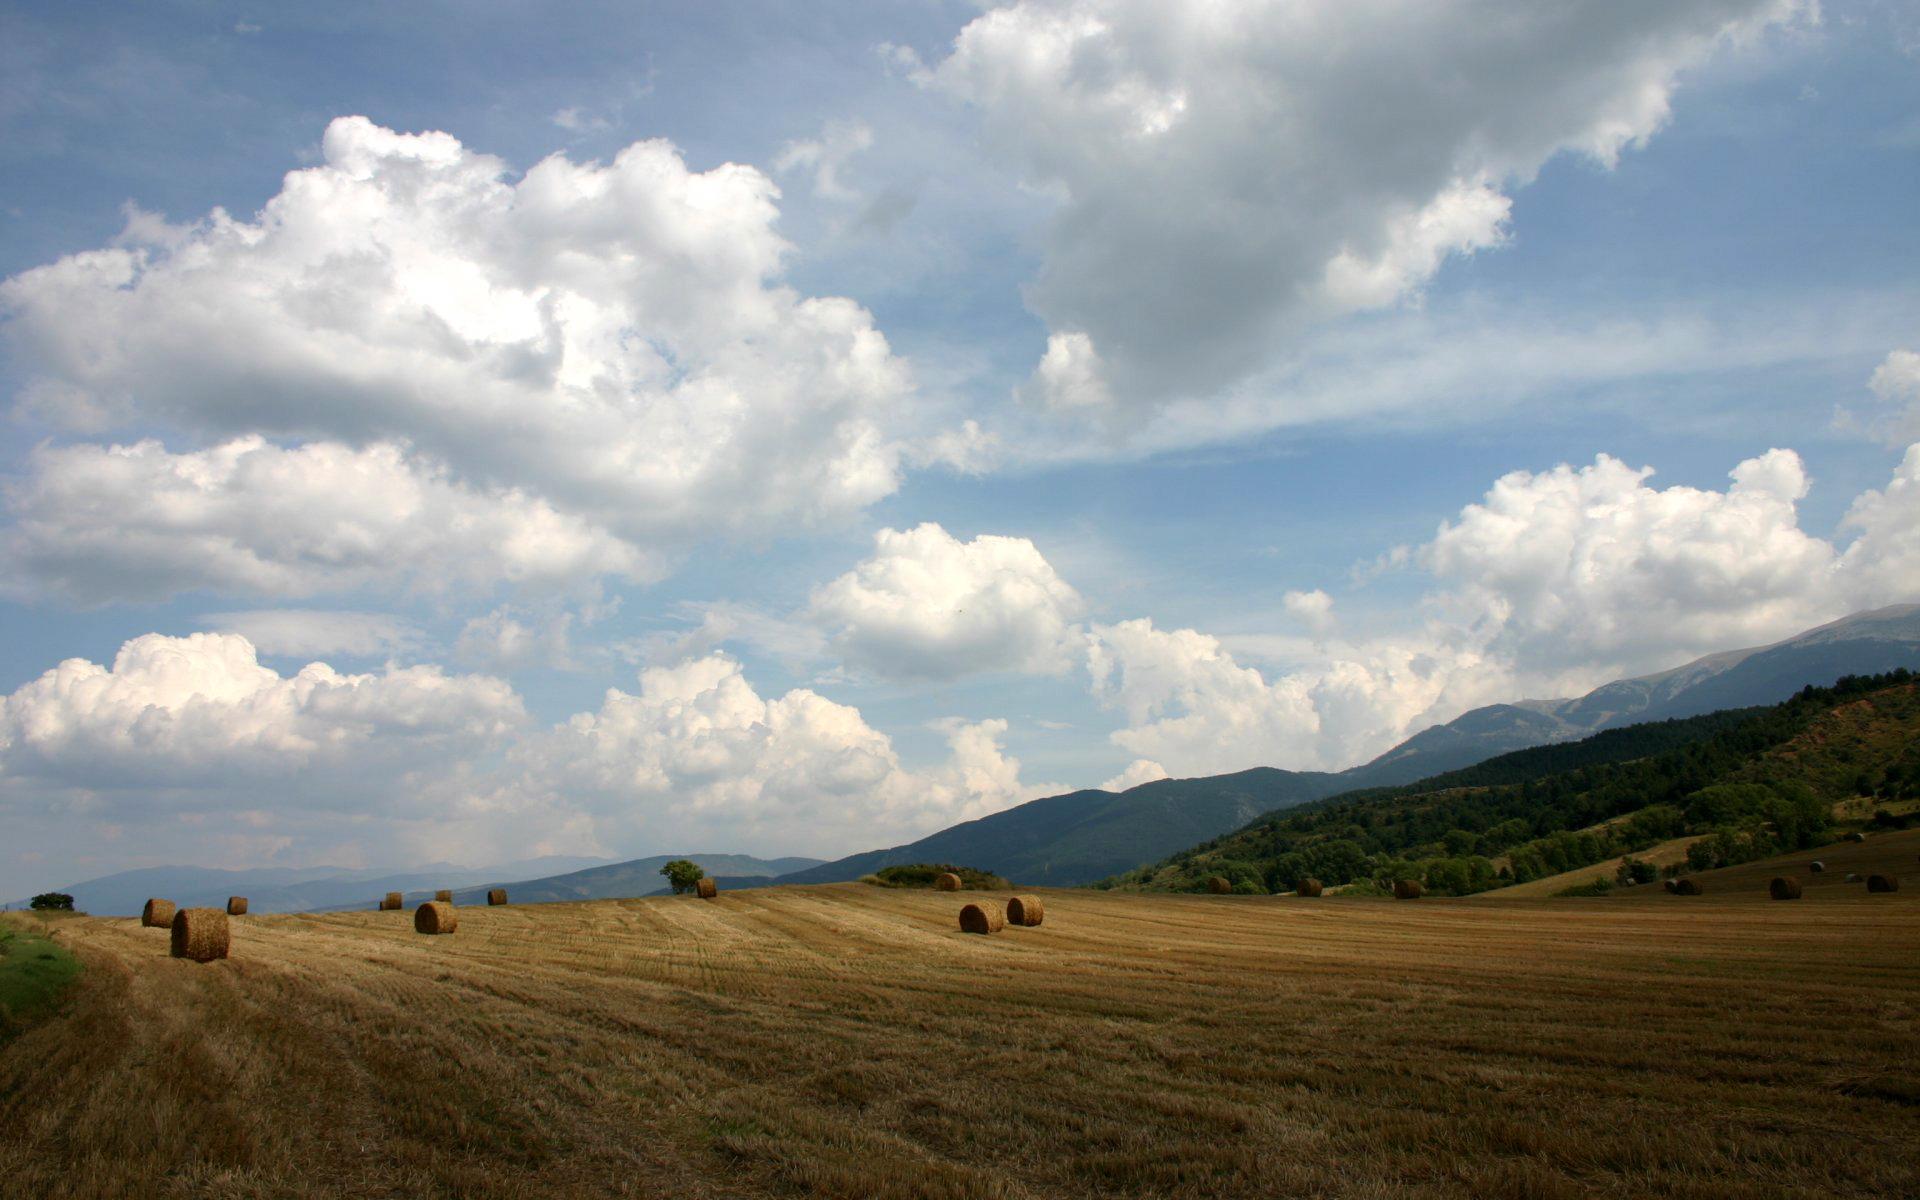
849,1041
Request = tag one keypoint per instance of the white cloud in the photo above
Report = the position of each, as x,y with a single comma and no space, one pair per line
697,757
1882,565
1233,174
827,156
1592,570
1554,583
1139,771
1896,382
796,643
1070,375
192,747
190,720
1189,704
927,605
501,641
575,119
134,522
609,339
316,633
1313,609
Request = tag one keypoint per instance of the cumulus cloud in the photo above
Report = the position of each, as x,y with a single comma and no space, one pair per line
1882,565
185,739
1591,568
315,633
612,340
201,713
103,523
1553,583
1139,771
927,605
1070,376
1313,609
1896,384
1230,175
1190,704
697,756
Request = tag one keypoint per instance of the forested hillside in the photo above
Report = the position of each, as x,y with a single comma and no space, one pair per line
1748,783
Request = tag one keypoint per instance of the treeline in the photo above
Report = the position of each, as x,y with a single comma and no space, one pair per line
1551,809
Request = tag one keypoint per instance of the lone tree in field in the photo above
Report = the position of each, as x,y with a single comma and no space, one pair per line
683,874
52,902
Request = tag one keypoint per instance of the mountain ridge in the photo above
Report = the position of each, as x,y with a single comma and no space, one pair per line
1007,843
1741,782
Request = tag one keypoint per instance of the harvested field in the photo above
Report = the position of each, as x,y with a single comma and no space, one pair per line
850,1041
1895,855
1666,854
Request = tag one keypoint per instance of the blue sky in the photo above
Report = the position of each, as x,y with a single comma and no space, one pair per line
1206,339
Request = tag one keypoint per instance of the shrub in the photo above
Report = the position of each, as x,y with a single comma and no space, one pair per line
1597,887
1364,888
1633,870
922,875
683,874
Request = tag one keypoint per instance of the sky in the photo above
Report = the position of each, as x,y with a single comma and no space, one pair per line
460,433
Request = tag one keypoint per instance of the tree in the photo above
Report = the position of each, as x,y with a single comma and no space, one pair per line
683,874
52,901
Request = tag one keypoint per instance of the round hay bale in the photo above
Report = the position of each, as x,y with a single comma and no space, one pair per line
1026,911
947,881
435,916
1784,887
1882,883
391,903
984,917
1856,837
236,906
444,896
707,888
158,914
497,896
1219,886
200,934
1686,887
1673,887
1309,887
1407,889
1816,866
1853,877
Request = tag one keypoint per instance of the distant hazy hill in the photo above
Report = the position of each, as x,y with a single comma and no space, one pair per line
291,889
1089,835
1083,836
636,877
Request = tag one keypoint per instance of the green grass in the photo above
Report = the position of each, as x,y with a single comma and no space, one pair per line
35,971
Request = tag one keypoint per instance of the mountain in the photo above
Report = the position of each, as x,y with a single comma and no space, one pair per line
291,889
1862,644
1085,836
1744,783
636,877
1088,835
